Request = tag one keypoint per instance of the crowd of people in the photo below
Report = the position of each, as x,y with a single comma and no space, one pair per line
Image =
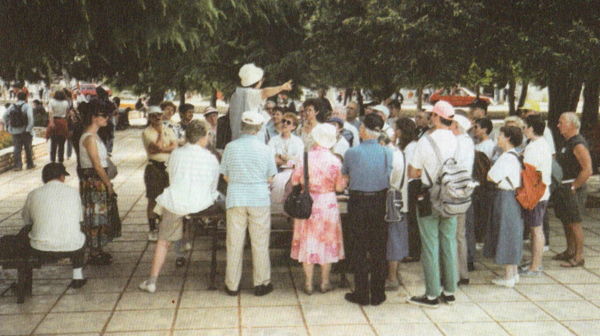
387,167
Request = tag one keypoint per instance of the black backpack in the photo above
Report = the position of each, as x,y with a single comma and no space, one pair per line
17,118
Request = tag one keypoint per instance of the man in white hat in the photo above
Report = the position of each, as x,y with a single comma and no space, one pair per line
211,115
248,166
250,96
465,156
159,141
384,113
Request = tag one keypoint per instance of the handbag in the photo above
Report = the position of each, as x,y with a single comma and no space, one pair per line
393,200
299,203
111,170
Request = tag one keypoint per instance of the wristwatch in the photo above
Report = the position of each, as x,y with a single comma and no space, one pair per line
573,189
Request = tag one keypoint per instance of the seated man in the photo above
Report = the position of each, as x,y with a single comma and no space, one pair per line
56,233
193,177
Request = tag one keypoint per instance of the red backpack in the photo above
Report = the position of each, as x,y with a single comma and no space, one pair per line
532,188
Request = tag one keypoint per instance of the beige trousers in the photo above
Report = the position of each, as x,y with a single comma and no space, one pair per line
258,222
461,246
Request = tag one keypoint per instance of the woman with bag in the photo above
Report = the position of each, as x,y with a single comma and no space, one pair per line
504,237
58,129
318,239
100,213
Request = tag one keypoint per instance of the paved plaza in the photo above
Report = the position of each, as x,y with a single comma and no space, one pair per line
561,302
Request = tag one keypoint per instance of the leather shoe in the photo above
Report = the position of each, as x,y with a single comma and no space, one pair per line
263,290
354,298
230,292
77,283
378,301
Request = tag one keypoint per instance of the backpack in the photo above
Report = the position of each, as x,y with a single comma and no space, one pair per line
532,188
452,187
17,118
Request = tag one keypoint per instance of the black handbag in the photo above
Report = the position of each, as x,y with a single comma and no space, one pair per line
299,203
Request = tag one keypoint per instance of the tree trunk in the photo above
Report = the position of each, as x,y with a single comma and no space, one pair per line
419,99
213,98
574,98
511,96
156,96
182,92
591,102
561,88
523,95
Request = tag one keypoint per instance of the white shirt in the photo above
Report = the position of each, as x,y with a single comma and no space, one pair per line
537,153
341,146
55,211
507,167
486,147
150,135
398,172
293,147
409,151
465,154
356,137
424,157
84,157
549,140
59,108
388,130
193,177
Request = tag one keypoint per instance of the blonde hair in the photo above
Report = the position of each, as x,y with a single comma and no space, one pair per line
516,121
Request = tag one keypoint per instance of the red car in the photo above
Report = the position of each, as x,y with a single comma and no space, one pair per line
458,97
89,89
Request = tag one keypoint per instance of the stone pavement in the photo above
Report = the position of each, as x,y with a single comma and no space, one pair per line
562,302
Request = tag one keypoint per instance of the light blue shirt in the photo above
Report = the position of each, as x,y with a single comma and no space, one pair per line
25,108
369,166
248,164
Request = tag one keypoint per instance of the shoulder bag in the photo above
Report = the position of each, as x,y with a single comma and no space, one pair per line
299,203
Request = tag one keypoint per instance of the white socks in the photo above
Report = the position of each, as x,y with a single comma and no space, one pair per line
78,273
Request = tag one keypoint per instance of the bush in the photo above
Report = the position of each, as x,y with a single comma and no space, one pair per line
5,139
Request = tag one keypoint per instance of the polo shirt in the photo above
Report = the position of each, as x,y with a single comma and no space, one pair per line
55,211
248,164
369,166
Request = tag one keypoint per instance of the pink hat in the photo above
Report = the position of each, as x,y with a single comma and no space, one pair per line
443,109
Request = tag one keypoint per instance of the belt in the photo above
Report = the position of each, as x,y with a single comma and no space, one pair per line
367,193
567,181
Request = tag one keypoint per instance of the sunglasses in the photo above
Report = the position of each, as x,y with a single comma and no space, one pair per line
287,122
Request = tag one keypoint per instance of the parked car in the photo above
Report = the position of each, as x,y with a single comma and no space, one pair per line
89,89
458,97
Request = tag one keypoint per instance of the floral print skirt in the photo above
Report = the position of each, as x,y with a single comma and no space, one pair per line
100,212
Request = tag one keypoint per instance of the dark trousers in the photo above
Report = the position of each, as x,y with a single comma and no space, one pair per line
77,257
20,141
482,205
57,142
470,233
368,239
414,239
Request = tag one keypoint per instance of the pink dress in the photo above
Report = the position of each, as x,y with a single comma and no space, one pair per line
319,240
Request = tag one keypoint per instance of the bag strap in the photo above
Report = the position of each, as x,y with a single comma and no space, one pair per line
435,147
403,170
522,167
306,172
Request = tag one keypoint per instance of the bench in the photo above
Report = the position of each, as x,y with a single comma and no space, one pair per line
24,266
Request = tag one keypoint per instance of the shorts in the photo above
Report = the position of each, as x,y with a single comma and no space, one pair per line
156,179
569,207
535,216
170,227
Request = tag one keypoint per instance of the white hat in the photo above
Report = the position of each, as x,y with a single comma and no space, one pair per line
383,109
154,109
250,74
325,135
252,118
462,121
210,110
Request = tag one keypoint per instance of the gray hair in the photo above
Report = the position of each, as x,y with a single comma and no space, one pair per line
573,119
196,130
250,129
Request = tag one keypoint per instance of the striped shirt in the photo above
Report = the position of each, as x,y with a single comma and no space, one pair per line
248,164
55,211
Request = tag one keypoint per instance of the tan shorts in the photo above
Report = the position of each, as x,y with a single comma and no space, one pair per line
170,227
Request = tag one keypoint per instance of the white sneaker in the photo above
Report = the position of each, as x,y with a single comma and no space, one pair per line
147,287
504,283
153,235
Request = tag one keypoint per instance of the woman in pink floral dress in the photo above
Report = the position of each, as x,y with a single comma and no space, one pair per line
318,240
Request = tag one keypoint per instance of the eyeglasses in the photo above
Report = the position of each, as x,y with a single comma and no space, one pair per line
102,115
287,122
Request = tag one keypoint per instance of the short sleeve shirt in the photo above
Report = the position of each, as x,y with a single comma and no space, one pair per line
399,176
150,135
424,157
248,164
487,147
369,166
465,154
242,100
293,147
506,171
537,153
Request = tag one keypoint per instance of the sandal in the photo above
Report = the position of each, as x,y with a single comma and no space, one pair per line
326,288
571,263
563,256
